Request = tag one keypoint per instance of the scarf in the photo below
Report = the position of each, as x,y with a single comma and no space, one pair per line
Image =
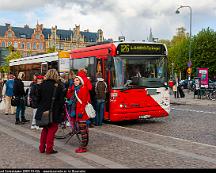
72,103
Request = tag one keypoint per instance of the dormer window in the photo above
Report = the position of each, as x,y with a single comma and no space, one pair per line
37,36
9,35
22,36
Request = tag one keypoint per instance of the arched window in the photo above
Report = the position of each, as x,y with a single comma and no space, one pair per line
15,44
3,44
41,46
28,45
22,45
9,34
34,46
37,36
9,43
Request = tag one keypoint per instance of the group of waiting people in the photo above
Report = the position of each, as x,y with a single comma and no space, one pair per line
70,91
14,87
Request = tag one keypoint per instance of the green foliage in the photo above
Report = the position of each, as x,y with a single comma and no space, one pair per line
12,55
203,51
51,50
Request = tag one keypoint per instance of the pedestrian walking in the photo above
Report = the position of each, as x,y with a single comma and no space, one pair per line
78,96
45,94
100,90
34,98
20,93
8,93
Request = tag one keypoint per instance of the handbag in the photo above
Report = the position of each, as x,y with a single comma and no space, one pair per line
2,105
47,116
88,108
15,101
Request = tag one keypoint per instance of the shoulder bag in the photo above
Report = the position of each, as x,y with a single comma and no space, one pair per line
47,116
88,108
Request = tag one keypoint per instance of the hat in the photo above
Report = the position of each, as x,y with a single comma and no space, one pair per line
80,79
40,77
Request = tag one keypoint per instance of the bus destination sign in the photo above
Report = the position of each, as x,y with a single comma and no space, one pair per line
140,49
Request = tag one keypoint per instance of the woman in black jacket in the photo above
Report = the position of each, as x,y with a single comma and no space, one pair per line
19,92
45,93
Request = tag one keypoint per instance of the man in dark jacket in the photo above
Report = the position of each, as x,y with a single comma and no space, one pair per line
19,92
45,94
100,90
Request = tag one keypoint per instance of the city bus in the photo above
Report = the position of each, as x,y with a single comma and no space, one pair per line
136,76
40,64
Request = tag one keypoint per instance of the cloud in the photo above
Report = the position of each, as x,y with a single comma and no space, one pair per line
132,18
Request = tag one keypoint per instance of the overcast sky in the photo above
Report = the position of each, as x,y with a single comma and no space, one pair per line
131,18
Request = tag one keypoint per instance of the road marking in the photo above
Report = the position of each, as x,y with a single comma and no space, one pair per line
170,137
69,149
160,147
191,110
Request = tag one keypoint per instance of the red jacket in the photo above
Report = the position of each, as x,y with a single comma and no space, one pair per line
84,96
87,82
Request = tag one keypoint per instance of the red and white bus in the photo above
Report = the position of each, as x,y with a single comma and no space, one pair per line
136,74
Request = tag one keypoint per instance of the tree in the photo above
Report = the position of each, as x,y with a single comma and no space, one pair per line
204,50
12,55
178,52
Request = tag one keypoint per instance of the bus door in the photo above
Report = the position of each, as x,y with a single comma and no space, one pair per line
44,68
107,78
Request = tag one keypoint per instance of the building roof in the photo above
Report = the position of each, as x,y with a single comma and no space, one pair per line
26,32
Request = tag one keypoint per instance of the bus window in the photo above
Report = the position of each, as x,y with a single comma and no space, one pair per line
44,68
87,63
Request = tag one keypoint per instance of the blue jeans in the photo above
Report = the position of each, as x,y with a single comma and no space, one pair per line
99,112
20,108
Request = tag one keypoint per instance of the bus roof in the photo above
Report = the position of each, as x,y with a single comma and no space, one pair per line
107,49
35,59
49,57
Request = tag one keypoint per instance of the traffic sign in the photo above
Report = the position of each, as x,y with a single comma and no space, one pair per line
189,64
189,70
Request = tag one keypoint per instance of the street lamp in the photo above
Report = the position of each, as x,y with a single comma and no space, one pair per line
177,12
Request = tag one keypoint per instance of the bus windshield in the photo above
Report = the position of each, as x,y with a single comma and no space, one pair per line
137,71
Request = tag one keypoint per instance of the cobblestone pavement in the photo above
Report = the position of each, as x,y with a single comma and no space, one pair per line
110,146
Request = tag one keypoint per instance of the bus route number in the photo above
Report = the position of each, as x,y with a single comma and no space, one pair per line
125,48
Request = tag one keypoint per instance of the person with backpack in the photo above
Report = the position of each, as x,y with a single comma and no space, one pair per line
100,90
9,92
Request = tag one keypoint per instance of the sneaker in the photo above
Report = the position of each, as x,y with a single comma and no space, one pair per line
33,127
81,150
37,127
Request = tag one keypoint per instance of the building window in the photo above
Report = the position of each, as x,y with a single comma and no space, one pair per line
34,46
37,36
3,44
9,34
41,46
22,45
9,43
28,45
22,36
62,46
15,44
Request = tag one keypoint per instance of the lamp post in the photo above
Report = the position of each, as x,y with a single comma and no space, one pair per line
177,12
